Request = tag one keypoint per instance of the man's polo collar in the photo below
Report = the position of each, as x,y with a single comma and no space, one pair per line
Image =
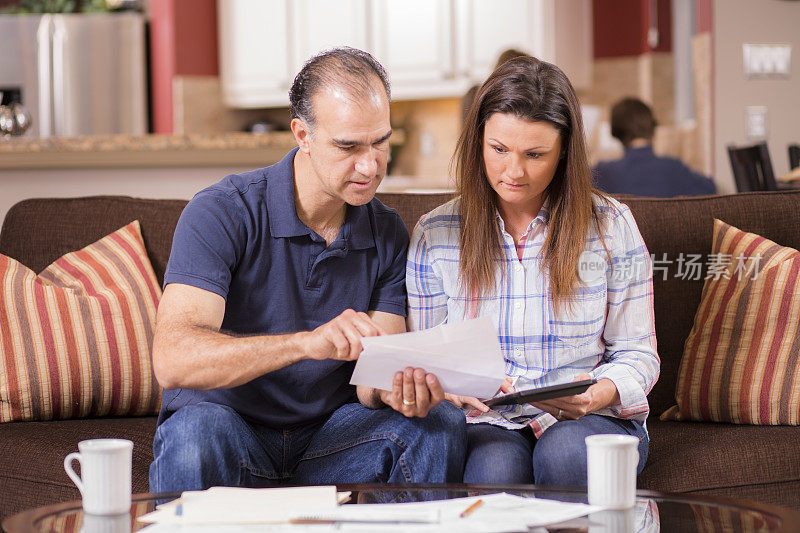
640,151
283,219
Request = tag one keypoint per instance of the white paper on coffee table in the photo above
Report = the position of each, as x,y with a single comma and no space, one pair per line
499,513
238,505
464,356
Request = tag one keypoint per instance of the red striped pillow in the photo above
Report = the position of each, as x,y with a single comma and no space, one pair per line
741,361
76,338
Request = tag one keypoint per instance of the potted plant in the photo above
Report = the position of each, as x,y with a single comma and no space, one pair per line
68,6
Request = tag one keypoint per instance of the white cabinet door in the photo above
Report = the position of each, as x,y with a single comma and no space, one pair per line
430,48
558,31
413,40
484,29
254,56
323,24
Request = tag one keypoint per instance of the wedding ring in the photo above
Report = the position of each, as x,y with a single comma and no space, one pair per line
560,415
406,402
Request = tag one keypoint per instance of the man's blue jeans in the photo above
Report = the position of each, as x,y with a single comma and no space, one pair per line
207,445
558,457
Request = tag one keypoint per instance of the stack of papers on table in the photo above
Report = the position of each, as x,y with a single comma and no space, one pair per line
316,509
465,356
234,505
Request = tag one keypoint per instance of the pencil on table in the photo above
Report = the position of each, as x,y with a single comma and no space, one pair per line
471,508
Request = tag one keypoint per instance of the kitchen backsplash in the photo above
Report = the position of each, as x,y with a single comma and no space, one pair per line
198,108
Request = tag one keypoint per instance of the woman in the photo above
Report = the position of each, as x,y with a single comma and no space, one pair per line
561,269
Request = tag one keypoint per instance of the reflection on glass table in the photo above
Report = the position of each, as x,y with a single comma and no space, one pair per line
653,512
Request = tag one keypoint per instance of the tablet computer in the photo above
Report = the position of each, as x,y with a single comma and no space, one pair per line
542,393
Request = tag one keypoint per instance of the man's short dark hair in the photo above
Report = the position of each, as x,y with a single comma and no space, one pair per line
347,67
632,119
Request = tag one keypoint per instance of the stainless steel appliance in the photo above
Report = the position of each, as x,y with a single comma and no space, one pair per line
77,74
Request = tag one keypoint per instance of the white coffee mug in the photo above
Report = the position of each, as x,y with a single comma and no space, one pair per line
105,480
611,470
118,523
613,521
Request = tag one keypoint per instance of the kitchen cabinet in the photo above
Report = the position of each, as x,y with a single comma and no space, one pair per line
413,40
558,31
264,43
485,29
254,56
431,48
319,25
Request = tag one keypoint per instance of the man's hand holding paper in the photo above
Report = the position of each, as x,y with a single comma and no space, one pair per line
464,356
414,392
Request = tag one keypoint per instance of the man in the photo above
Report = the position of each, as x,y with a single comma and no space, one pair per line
640,171
274,277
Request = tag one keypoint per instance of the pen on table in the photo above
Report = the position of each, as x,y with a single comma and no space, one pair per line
471,508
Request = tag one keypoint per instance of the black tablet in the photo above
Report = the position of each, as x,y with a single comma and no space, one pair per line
542,393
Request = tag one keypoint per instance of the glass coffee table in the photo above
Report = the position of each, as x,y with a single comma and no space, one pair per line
654,511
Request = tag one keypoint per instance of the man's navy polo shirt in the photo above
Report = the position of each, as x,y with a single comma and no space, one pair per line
642,173
241,238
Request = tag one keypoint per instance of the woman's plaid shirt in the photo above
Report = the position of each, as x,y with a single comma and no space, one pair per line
607,331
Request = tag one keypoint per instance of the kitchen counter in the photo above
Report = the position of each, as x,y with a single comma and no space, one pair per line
150,151
145,151
142,166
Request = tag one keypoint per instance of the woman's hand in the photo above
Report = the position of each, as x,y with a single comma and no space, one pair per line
600,395
461,401
506,387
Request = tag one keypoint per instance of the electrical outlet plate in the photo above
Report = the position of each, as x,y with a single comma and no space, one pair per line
755,122
767,60
426,144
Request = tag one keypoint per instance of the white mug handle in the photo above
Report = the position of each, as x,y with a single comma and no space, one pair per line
74,456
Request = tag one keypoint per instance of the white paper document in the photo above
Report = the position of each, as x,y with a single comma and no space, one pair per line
497,513
465,356
236,505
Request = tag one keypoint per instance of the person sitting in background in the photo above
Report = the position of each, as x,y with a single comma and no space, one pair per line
640,172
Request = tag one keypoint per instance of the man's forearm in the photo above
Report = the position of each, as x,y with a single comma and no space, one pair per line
197,357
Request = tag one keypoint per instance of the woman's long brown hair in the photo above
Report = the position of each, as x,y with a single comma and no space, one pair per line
535,91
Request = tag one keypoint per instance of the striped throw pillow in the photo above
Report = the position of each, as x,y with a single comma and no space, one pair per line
76,338
741,361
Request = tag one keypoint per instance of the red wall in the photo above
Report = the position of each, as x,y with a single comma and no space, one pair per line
196,37
664,24
183,41
620,27
703,16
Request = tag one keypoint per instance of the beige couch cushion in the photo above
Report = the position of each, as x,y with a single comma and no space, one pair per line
741,363
75,340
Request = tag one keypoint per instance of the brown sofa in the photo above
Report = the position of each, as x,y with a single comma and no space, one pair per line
760,463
